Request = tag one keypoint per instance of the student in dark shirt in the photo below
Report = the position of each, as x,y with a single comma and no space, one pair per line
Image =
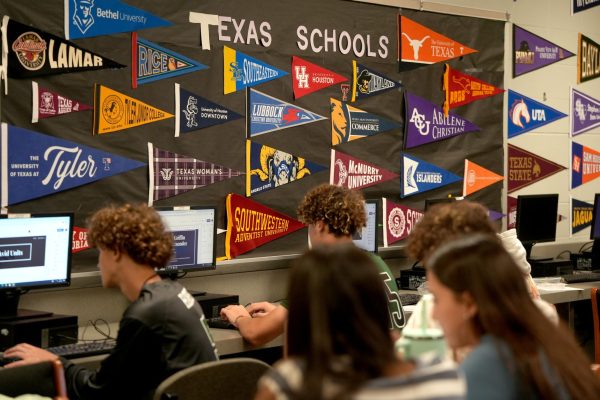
162,331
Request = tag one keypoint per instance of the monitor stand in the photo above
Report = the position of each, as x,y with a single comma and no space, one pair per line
528,247
9,307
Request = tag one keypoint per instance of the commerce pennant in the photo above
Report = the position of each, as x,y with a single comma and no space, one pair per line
476,178
268,114
511,210
419,44
47,103
193,112
89,18
420,176
426,122
251,224
588,59
241,71
308,77
114,111
525,114
525,168
171,174
350,123
353,173
585,164
367,82
585,112
80,241
461,89
581,215
268,168
38,165
151,62
398,221
582,5
531,52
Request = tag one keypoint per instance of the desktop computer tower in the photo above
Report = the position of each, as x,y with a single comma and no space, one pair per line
46,331
212,303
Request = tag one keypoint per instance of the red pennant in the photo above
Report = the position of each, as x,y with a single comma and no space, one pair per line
463,89
398,221
80,241
353,173
525,168
308,77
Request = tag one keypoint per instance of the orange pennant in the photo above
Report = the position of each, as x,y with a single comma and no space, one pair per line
476,178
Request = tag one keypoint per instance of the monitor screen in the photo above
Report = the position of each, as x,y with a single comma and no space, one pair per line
536,218
366,238
432,202
595,233
194,237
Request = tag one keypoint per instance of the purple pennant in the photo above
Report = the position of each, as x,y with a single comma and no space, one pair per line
531,52
585,112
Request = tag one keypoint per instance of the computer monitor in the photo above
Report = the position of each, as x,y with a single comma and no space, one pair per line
536,219
595,233
431,202
35,252
366,238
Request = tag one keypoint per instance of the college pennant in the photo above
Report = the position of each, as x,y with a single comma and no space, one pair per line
511,210
495,215
80,241
308,77
268,114
525,114
476,178
367,82
582,5
353,173
420,176
585,112
38,165
47,103
398,221
251,224
461,89
426,122
525,168
588,59
581,215
585,164
531,52
172,174
114,111
241,71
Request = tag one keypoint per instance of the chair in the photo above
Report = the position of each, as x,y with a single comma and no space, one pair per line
45,378
596,314
231,379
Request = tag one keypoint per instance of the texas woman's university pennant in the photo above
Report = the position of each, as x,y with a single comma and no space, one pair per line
308,77
585,112
463,89
47,103
525,114
398,221
241,71
420,176
353,173
585,164
531,52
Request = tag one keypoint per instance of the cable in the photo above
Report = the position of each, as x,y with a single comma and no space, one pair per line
588,244
563,252
94,324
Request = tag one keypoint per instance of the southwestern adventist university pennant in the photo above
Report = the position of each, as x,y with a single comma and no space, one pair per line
525,168
531,52
47,103
463,89
353,173
308,77
398,221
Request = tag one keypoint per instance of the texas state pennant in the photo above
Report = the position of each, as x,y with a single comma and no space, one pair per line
350,123
241,71
151,62
420,176
308,77
193,112
511,210
268,114
588,59
398,221
251,224
585,164
80,241
581,215
476,178
367,82
525,168
525,114
267,168
47,103
353,173
426,122
585,112
38,165
582,5
531,52
463,89
114,111
419,44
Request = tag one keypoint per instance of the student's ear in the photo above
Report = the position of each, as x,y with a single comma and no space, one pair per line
320,226
469,304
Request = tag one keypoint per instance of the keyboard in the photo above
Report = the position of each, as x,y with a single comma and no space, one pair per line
220,323
7,360
409,299
582,277
83,349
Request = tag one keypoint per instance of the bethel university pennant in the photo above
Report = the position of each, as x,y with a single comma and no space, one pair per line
80,241
241,71
420,176
581,215
308,77
47,103
525,114
367,82
398,221
531,52
38,165
476,178
267,114
426,122
585,112
463,89
511,209
525,168
585,164
588,59
352,173
251,224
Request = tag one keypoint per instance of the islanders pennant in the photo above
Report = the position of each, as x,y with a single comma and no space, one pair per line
461,89
525,168
476,178
525,114
585,112
398,221
80,241
585,164
581,215
420,176
353,173
38,165
241,71
47,103
308,77
251,224
268,114
268,168
588,59
511,210
114,111
531,52
426,122
367,82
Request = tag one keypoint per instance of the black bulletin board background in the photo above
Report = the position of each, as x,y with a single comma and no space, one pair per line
225,144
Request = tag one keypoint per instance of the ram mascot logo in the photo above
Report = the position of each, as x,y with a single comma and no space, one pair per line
278,167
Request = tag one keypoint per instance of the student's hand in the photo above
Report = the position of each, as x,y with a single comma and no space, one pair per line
260,309
233,313
28,354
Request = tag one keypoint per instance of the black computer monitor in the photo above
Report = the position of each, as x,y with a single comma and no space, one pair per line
35,252
431,202
595,233
536,219
366,238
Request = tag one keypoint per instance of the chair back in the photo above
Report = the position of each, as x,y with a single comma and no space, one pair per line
232,379
45,379
596,315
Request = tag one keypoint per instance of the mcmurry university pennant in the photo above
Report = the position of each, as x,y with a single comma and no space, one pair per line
353,173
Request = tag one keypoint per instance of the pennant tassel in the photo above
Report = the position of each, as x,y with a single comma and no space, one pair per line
134,61
35,112
150,174
4,66
177,109
446,90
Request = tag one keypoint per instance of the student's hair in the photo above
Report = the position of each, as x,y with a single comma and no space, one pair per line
479,265
136,230
341,209
338,312
444,222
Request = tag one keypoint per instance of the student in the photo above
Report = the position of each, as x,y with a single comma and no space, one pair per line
481,301
338,342
162,331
